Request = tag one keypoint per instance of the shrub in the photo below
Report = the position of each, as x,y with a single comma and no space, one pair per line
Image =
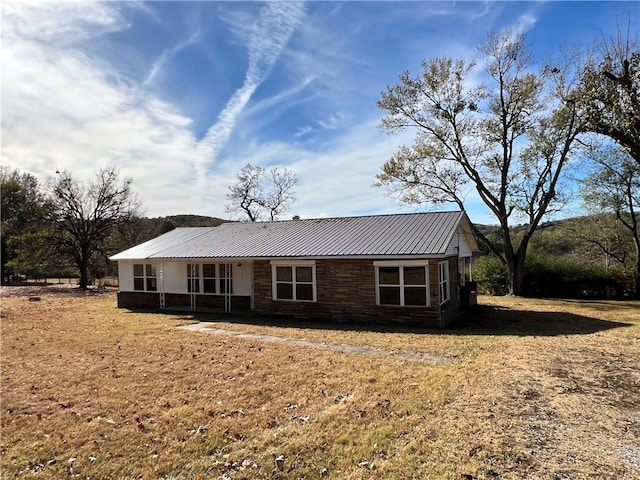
490,274
554,277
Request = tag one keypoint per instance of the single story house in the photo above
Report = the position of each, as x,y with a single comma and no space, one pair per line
405,268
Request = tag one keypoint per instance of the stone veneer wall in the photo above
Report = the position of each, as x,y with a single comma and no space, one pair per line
346,290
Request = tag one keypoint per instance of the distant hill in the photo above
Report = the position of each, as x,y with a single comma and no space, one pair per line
141,229
193,220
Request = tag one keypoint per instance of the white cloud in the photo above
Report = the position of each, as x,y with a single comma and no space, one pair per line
335,180
61,110
58,23
306,100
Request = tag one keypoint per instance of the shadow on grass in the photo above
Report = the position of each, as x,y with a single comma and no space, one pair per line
493,320
482,320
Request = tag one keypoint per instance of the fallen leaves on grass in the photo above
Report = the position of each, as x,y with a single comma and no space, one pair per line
538,389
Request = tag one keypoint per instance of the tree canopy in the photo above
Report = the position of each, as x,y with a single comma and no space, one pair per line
24,210
85,215
614,186
609,92
260,194
508,140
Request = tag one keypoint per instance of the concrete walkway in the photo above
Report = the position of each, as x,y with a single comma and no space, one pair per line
207,328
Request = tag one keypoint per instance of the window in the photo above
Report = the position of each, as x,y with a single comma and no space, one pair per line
193,278
209,278
226,279
403,285
294,281
389,285
415,286
201,278
144,277
443,281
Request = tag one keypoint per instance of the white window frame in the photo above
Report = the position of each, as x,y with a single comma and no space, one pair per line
400,265
194,282
293,264
145,276
444,284
218,278
224,278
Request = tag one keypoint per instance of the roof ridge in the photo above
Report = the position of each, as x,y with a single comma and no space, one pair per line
248,222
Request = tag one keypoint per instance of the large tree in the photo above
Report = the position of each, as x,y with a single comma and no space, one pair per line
260,194
614,187
24,209
508,139
85,215
609,91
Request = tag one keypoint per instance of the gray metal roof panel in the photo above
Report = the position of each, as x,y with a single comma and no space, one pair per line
157,245
389,235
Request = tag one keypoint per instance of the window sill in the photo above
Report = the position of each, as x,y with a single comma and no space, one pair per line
402,306
290,300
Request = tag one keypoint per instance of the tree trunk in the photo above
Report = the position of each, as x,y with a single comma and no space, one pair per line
83,267
518,275
515,265
636,273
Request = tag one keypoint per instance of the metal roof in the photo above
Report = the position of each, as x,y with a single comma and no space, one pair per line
426,234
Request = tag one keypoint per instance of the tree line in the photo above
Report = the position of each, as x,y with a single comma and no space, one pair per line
70,227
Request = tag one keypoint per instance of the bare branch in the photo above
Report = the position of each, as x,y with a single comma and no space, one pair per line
258,196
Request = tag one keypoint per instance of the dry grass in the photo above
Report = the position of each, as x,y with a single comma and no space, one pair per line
536,389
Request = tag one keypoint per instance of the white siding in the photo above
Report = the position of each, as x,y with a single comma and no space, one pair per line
465,248
125,276
459,245
175,277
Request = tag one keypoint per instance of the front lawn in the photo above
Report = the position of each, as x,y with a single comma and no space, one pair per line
539,389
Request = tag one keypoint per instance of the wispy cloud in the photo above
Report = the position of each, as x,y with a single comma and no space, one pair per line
65,108
59,24
269,36
90,84
167,54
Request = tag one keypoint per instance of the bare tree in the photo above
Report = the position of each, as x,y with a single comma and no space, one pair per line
508,140
259,195
85,215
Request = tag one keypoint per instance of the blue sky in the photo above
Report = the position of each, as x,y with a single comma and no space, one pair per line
180,95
